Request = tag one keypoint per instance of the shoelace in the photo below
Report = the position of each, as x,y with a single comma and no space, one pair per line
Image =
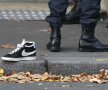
19,46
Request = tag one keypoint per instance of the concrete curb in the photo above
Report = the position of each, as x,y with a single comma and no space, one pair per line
24,66
75,65
57,65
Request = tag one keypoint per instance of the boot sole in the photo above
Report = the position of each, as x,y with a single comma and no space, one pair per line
91,50
53,49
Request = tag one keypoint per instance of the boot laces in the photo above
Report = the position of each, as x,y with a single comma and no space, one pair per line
19,46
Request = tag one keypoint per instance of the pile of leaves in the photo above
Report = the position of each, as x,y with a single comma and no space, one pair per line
22,77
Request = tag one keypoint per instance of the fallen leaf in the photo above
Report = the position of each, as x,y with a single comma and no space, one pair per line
22,77
21,81
8,46
21,73
90,85
66,79
36,76
9,74
1,72
102,71
84,79
106,72
66,85
95,80
31,71
83,74
101,59
3,78
27,74
54,77
46,88
75,79
45,76
78,76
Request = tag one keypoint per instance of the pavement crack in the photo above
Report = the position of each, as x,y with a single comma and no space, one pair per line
46,64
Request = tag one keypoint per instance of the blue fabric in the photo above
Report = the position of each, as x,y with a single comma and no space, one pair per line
90,12
57,12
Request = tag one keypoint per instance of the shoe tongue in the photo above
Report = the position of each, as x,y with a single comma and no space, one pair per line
23,42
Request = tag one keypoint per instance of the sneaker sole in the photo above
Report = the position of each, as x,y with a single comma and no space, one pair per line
19,59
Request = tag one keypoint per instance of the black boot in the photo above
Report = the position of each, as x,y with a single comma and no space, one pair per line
88,42
73,17
55,40
107,25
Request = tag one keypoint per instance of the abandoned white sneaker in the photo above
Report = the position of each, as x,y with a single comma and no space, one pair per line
24,51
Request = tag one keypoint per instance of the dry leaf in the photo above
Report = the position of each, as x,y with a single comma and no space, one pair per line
37,80
75,79
54,77
27,74
45,76
84,79
101,59
95,80
46,88
36,76
83,74
78,76
22,77
21,81
9,74
8,46
106,72
66,85
102,72
1,72
31,71
66,79
21,73
3,78
90,85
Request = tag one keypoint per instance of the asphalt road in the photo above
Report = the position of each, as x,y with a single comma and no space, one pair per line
52,86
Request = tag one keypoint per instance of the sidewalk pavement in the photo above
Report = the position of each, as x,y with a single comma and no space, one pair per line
24,10
24,5
68,61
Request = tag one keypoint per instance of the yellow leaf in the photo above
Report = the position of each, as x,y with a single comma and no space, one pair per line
1,71
101,59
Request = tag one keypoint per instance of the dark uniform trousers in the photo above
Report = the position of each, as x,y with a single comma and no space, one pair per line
90,12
